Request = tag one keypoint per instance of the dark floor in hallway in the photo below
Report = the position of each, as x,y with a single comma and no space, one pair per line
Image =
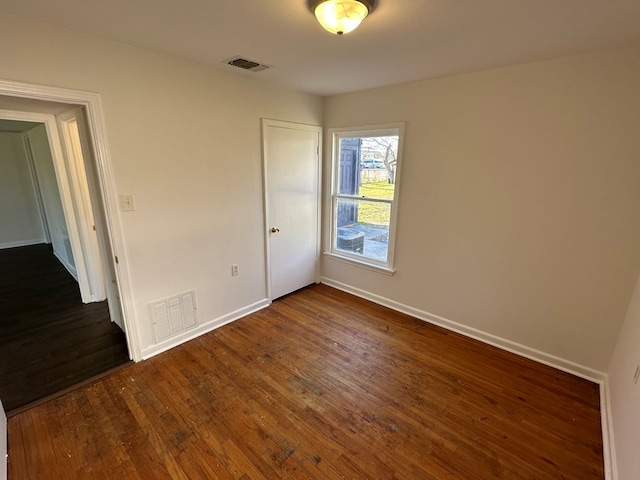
49,339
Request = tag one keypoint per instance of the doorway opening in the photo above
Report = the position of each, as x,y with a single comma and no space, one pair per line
63,312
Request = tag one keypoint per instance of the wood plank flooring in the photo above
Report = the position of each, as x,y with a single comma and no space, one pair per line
321,385
49,339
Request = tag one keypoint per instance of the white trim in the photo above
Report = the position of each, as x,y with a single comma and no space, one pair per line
203,328
270,122
93,281
23,243
267,122
608,440
95,118
72,271
346,258
608,450
265,209
367,199
502,343
332,196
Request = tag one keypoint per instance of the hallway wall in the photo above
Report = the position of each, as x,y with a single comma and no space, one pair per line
19,216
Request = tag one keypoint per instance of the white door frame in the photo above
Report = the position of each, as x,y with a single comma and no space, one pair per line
92,104
92,272
266,122
73,123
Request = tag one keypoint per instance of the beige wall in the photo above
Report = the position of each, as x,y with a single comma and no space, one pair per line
185,141
519,200
625,395
19,217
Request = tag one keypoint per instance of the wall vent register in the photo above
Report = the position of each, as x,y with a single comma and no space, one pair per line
246,64
174,315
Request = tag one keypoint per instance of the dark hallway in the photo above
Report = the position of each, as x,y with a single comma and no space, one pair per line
49,339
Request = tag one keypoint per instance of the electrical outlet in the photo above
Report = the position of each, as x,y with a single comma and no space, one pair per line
234,269
636,375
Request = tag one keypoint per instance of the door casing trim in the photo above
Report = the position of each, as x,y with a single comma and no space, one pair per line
92,104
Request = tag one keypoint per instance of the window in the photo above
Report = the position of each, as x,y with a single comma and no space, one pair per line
364,194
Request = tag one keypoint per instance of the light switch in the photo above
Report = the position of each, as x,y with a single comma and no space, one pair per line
126,203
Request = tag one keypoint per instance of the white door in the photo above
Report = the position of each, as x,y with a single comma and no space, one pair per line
292,177
84,238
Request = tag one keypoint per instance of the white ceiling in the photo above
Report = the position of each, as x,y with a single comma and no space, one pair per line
402,40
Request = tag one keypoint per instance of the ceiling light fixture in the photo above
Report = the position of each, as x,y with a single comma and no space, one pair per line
341,16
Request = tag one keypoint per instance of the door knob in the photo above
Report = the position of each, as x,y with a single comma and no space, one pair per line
275,229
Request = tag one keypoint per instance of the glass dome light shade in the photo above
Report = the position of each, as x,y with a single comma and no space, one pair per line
340,16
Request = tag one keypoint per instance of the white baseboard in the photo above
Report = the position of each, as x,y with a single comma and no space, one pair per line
23,243
67,265
504,344
203,328
531,353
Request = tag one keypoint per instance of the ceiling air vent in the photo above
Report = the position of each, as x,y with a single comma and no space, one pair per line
246,64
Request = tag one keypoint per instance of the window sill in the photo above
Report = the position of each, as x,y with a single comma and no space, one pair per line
360,263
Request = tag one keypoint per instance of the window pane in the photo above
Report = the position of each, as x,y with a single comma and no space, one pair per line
367,166
364,168
363,228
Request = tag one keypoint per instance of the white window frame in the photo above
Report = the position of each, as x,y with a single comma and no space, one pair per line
336,134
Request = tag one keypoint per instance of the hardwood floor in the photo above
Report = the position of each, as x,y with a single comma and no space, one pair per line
320,385
49,340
